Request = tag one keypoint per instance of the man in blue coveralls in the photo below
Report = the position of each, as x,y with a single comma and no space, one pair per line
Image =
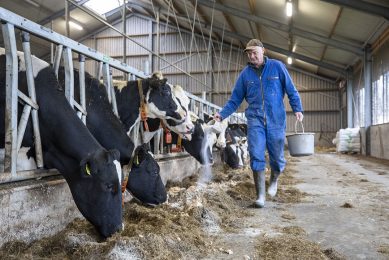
263,84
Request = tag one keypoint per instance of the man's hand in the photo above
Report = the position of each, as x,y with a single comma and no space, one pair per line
299,116
217,117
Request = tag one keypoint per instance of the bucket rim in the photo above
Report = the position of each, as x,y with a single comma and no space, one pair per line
305,133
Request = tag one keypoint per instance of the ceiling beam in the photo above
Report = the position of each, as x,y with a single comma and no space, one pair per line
243,38
295,55
60,13
363,6
347,46
246,39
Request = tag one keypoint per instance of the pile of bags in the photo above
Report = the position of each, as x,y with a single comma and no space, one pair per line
348,140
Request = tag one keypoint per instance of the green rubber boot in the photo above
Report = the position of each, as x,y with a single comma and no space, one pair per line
272,190
259,180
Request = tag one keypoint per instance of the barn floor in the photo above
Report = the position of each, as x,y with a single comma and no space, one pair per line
344,209
329,206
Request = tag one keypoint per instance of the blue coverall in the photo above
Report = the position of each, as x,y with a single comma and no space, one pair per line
266,116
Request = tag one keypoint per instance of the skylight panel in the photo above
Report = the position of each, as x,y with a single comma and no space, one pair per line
102,7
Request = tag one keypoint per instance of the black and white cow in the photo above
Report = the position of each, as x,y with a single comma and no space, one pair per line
162,100
234,145
92,173
111,133
101,121
203,139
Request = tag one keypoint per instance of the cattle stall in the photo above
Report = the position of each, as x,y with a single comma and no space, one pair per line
26,184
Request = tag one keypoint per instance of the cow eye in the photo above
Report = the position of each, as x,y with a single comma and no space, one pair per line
110,187
166,92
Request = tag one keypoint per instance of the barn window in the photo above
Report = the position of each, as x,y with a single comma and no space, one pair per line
381,99
102,7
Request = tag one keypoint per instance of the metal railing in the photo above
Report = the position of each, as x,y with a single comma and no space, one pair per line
64,49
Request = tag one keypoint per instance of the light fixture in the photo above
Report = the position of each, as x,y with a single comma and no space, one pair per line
76,25
289,9
289,60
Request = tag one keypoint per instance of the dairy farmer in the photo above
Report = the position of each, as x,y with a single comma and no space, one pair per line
263,84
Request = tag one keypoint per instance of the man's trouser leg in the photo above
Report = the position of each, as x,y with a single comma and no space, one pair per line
275,146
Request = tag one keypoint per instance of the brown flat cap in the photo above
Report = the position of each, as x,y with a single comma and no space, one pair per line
252,44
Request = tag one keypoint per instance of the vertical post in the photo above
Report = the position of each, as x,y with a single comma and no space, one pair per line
57,58
368,101
157,49
106,80
51,47
32,94
124,25
11,98
156,140
67,15
350,120
146,68
69,76
99,69
113,97
81,76
150,44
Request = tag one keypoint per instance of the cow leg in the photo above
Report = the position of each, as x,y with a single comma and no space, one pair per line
272,190
259,180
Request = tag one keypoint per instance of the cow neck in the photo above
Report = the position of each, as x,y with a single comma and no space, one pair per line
142,108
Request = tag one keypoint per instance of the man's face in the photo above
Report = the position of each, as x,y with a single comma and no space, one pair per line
255,56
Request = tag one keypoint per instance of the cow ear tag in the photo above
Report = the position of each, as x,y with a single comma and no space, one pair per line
137,160
87,169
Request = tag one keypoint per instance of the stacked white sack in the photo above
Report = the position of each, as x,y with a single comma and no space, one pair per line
348,140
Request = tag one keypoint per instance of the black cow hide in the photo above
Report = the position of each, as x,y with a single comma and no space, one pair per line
144,181
90,171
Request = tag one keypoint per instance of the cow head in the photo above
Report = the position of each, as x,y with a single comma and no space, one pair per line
235,151
203,139
200,146
232,155
97,191
144,181
170,104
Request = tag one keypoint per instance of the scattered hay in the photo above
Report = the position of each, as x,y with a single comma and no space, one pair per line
184,227
347,205
288,195
332,254
294,230
288,216
325,149
383,249
364,180
288,246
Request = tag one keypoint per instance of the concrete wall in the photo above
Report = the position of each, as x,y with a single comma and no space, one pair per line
379,141
34,209
379,146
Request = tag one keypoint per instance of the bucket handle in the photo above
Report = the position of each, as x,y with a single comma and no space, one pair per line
295,126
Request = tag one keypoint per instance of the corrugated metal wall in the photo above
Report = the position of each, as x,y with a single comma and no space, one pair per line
214,72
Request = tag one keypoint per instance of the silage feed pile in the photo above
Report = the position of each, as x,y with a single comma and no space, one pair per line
189,225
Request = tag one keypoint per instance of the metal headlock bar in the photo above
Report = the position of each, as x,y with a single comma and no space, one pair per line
64,48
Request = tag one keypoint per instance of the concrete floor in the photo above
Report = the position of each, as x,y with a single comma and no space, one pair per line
330,180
